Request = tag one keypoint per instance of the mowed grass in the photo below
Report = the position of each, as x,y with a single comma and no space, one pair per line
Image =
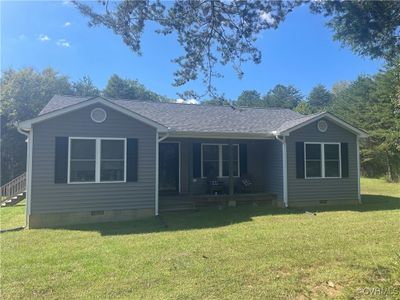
12,216
244,252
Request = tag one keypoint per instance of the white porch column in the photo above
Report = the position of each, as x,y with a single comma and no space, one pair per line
157,177
284,165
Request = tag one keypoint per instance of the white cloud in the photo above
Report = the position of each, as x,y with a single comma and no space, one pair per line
192,101
189,101
44,38
63,43
267,17
66,24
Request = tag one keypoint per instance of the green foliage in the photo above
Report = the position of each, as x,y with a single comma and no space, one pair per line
320,98
129,89
23,94
371,103
209,32
85,88
369,28
215,32
304,108
218,102
249,98
339,87
282,96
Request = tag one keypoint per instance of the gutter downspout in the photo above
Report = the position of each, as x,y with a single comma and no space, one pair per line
284,165
29,141
158,140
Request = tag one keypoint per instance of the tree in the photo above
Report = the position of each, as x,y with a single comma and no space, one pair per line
23,95
319,98
217,102
370,28
210,32
339,87
129,89
282,96
304,108
368,103
217,31
84,87
249,98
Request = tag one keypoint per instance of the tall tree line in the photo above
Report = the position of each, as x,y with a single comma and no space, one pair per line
370,102
25,92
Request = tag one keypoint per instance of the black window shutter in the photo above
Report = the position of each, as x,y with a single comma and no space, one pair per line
61,160
299,159
196,160
243,159
132,160
345,159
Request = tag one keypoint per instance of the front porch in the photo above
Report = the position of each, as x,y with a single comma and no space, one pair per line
196,172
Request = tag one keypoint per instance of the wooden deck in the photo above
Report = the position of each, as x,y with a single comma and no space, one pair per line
192,202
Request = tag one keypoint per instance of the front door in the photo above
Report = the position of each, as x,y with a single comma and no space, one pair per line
169,168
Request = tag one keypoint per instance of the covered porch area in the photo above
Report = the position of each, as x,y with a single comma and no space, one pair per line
197,172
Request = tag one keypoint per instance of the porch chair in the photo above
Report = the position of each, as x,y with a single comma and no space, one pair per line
245,184
215,186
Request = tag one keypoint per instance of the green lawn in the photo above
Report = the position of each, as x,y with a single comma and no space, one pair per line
243,252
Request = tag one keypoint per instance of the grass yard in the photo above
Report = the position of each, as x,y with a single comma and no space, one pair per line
244,252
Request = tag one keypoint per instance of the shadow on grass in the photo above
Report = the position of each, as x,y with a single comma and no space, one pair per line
212,217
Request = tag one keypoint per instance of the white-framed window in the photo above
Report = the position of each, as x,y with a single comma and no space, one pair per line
95,160
322,160
215,160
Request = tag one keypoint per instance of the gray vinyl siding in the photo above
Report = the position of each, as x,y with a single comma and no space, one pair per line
275,168
304,190
50,197
263,165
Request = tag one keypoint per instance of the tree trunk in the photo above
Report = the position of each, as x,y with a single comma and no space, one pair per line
389,167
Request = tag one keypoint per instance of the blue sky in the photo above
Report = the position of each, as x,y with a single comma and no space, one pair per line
300,52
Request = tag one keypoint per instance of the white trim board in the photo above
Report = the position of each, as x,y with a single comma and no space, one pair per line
97,159
220,160
330,117
322,160
221,135
25,125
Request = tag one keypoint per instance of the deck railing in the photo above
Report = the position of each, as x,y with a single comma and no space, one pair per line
14,187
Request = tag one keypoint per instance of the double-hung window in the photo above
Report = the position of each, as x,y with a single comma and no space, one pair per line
215,160
97,160
322,160
82,164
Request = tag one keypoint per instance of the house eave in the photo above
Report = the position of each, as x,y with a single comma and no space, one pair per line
27,124
331,117
221,135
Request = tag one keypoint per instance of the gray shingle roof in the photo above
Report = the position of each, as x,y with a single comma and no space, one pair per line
294,122
196,118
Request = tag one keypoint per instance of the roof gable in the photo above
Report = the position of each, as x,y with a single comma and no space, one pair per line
78,103
289,126
190,119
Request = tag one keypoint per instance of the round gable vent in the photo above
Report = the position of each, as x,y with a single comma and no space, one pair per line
98,115
322,126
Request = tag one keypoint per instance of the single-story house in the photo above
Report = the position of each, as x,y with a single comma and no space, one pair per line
97,159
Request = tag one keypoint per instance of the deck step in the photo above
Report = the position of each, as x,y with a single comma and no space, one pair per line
14,200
